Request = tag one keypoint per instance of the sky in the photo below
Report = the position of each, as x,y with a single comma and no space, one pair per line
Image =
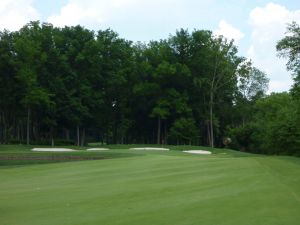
255,25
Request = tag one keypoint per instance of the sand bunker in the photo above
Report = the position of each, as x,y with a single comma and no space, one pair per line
53,150
198,152
97,149
149,148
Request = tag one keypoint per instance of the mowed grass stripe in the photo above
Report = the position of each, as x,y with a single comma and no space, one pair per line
152,189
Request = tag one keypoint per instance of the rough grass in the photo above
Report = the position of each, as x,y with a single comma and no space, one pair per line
22,155
156,188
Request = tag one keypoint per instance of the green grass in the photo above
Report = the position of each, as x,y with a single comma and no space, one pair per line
152,188
18,155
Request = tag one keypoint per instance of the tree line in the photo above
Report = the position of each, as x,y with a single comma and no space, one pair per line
74,85
273,122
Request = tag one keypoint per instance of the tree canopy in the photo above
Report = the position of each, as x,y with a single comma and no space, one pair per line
74,85
271,124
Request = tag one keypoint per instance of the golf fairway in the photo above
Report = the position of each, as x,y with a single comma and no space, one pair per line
154,189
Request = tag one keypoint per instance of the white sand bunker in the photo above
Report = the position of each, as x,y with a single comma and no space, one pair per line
97,149
198,152
53,150
149,148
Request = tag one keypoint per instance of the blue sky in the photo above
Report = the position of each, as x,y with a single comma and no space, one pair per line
256,25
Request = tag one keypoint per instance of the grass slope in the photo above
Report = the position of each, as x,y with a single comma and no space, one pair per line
158,188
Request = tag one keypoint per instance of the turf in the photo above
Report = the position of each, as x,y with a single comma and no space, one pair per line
156,188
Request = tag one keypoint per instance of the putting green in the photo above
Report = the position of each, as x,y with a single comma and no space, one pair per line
170,188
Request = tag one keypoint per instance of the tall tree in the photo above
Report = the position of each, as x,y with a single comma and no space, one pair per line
289,47
9,94
222,75
28,62
253,85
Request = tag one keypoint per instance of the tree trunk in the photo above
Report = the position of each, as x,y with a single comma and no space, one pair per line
4,128
1,127
28,126
21,132
18,133
211,120
153,136
67,134
208,133
83,137
78,136
52,141
213,88
166,134
158,130
35,131
52,138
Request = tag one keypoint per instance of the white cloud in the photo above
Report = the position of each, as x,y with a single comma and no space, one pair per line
268,27
120,3
89,13
228,31
137,20
16,13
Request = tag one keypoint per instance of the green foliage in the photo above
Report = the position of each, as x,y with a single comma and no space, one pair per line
288,47
244,138
273,129
184,130
278,114
253,84
73,83
161,109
